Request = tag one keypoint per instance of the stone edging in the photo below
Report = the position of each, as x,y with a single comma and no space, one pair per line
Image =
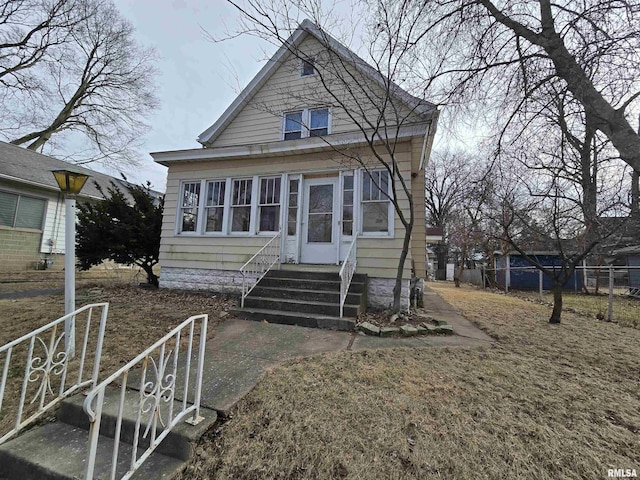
435,328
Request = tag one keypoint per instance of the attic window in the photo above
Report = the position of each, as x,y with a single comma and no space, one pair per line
308,67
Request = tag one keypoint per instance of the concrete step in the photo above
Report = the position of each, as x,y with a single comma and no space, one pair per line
57,451
309,284
310,275
304,295
177,444
288,305
300,319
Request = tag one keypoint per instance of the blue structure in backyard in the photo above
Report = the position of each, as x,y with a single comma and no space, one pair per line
510,267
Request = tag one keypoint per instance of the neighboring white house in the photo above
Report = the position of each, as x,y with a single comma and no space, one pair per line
275,161
32,208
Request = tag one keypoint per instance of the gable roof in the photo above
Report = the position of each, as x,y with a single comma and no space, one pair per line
306,28
20,165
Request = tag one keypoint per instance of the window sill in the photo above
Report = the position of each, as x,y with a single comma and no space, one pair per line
21,229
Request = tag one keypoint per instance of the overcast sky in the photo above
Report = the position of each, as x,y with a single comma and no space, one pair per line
198,79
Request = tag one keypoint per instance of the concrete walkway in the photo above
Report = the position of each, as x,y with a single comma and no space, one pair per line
34,292
242,350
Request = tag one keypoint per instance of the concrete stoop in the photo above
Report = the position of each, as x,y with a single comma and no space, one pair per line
58,450
305,298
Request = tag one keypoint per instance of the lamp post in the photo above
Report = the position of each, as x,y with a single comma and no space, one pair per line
70,183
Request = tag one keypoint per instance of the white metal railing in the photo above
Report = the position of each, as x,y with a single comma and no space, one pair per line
346,272
48,367
160,378
257,267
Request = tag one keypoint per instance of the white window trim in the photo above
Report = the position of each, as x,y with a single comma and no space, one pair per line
306,120
270,233
390,233
178,229
252,212
224,207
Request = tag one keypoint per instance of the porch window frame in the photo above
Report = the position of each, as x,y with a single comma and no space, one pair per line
225,207
181,208
390,232
259,205
252,208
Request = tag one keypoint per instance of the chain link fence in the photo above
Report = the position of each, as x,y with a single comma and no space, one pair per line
607,292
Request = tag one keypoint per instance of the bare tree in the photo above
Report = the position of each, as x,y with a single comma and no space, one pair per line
501,55
99,84
29,29
365,94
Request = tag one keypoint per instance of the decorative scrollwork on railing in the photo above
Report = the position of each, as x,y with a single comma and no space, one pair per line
42,368
155,393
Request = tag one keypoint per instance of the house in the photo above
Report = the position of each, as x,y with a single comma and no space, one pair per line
32,208
288,163
514,271
630,257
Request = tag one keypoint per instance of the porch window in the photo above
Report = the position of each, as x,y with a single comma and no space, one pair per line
347,205
269,204
318,122
375,204
214,208
189,206
292,218
241,205
19,211
293,125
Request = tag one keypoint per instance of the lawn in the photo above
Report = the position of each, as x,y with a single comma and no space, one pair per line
626,310
137,318
544,402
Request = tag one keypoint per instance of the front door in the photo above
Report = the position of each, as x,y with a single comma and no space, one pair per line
319,234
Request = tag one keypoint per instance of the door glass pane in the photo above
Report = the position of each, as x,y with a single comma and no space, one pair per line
319,228
320,213
321,199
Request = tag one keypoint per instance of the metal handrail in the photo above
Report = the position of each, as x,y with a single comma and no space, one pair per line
346,272
48,359
258,265
151,396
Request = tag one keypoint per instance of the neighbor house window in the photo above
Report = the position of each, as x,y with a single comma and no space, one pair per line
314,122
241,205
308,67
292,222
375,204
269,206
292,125
214,206
189,206
18,211
347,205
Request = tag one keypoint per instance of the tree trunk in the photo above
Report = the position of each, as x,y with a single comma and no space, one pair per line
152,278
557,303
397,288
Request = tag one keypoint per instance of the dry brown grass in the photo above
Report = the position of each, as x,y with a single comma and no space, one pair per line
107,275
544,402
137,318
626,310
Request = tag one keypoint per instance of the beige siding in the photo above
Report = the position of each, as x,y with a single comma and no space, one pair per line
377,257
418,236
261,120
